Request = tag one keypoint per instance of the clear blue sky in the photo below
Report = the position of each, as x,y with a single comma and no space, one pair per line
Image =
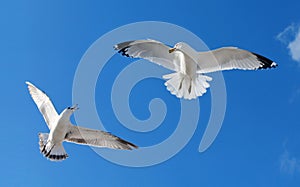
258,144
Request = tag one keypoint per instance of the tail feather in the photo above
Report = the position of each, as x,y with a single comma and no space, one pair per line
54,152
183,86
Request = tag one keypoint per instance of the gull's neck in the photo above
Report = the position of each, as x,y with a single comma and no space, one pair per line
65,115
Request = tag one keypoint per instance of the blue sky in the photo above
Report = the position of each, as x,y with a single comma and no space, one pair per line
258,144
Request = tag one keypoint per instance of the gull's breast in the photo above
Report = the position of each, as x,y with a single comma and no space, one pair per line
190,66
58,133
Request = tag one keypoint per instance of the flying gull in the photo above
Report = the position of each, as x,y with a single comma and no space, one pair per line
61,129
189,80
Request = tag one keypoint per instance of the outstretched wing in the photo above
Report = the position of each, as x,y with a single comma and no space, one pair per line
43,103
228,58
97,138
151,50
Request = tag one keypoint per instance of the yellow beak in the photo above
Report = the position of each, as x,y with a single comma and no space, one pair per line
171,50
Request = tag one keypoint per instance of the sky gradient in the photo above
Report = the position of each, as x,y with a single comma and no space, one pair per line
258,144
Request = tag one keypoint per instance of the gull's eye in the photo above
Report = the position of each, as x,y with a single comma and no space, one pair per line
69,108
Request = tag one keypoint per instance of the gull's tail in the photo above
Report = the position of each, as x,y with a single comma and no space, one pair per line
183,86
54,152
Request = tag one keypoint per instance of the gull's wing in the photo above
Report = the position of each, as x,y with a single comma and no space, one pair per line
151,50
228,58
43,103
96,138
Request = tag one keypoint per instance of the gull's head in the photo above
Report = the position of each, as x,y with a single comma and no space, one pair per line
177,46
69,111
73,108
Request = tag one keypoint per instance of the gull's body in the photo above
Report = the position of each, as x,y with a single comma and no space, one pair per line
189,80
61,129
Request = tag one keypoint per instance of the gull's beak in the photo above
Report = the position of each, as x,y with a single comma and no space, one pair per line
171,50
74,107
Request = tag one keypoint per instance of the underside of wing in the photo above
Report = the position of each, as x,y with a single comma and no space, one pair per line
151,50
43,103
97,138
228,58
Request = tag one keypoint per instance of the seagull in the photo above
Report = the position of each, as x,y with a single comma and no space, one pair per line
61,129
189,80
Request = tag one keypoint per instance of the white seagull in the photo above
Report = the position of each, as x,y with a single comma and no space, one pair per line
61,129
189,81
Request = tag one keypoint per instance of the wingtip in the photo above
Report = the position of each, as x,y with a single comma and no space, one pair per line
116,47
265,62
28,83
128,145
133,146
274,64
121,50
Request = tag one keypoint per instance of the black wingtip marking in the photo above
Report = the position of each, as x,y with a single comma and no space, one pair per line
265,62
123,51
130,145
